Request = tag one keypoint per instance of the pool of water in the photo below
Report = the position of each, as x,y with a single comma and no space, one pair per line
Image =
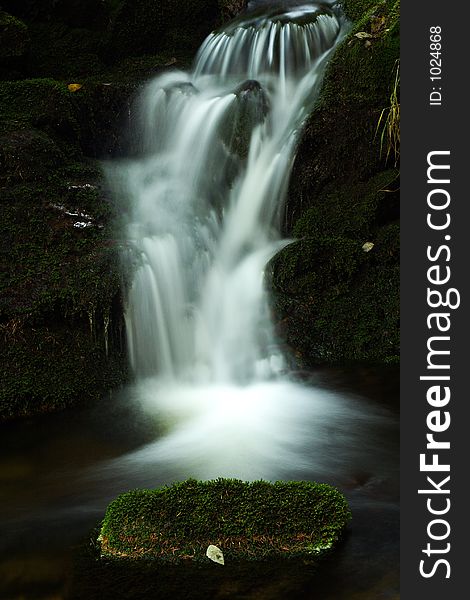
58,472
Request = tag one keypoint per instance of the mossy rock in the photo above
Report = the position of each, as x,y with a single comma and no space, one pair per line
352,209
14,37
340,142
43,104
60,282
50,367
356,9
337,303
333,302
89,121
247,521
60,292
57,249
25,154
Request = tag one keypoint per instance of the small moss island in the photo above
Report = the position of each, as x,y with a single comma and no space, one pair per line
247,521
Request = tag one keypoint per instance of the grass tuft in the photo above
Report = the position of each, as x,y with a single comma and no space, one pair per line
389,123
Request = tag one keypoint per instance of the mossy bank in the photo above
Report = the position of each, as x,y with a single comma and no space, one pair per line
335,302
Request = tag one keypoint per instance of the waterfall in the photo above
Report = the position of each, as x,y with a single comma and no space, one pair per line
204,199
206,195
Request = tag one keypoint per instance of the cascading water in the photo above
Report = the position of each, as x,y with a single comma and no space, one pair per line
205,199
206,196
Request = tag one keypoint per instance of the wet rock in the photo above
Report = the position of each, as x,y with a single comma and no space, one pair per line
185,87
249,110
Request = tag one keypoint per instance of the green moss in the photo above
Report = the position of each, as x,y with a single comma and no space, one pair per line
355,9
60,281
47,368
90,120
14,38
60,306
25,154
43,104
351,209
248,521
49,263
333,302
339,143
336,303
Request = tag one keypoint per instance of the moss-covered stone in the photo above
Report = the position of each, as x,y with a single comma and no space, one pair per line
46,368
43,104
60,282
14,38
353,208
60,307
89,121
334,302
25,154
247,521
340,142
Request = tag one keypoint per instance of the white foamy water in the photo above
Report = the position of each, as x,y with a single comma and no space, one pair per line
204,201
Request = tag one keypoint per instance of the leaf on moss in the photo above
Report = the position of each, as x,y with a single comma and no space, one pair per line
74,87
215,554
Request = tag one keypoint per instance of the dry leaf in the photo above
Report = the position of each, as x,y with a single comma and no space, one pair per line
215,554
74,87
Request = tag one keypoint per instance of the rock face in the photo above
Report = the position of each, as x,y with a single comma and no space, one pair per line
332,301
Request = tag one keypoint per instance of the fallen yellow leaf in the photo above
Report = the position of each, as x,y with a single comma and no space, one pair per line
74,87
